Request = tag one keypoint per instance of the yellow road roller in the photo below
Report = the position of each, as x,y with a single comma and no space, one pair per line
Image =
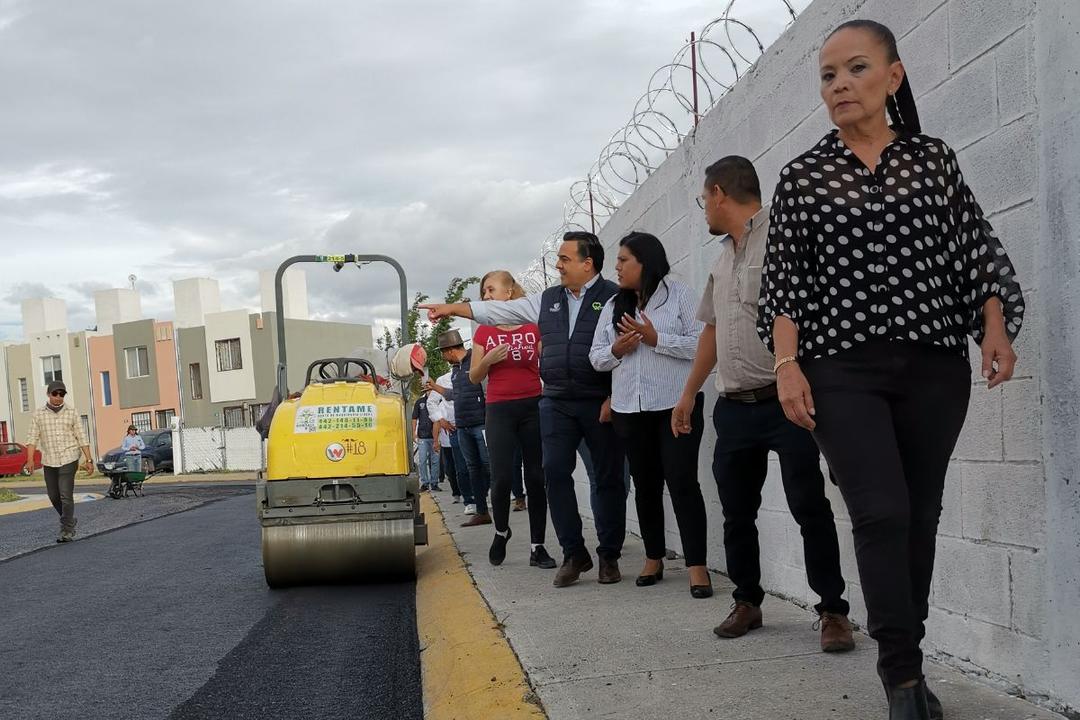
338,502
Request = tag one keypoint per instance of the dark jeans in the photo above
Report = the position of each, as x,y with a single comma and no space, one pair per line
563,425
586,462
461,470
888,417
513,428
657,456
60,485
745,433
474,448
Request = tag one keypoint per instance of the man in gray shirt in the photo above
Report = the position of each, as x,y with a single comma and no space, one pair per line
748,417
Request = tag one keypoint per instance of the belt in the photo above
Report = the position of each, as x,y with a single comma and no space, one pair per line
753,396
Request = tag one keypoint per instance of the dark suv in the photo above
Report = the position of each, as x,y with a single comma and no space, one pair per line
158,450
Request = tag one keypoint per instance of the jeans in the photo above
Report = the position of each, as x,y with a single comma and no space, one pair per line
60,486
461,467
449,469
745,433
428,462
513,428
563,425
474,449
888,417
658,457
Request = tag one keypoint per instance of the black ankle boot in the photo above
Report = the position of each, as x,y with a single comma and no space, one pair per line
909,703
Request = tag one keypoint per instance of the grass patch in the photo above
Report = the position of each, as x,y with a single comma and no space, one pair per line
7,495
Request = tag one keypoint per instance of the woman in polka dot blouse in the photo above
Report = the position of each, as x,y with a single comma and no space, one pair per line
878,267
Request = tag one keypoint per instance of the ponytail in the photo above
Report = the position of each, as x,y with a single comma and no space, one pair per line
902,109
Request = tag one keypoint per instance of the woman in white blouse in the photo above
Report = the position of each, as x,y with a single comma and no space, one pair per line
646,337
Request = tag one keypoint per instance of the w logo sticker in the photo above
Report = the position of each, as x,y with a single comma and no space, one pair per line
335,452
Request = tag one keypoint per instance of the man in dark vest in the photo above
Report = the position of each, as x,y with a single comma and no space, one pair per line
470,410
576,405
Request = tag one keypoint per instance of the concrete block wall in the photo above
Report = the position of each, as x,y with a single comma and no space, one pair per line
977,67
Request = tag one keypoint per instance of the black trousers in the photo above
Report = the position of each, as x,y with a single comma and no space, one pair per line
656,456
513,426
888,416
564,423
745,433
60,486
449,469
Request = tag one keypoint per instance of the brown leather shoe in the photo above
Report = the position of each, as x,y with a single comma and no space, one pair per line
743,618
836,633
571,569
477,519
609,572
519,504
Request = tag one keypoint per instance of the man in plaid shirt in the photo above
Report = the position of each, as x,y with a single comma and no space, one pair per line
57,431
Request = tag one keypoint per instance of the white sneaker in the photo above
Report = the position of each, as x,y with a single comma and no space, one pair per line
457,499
470,509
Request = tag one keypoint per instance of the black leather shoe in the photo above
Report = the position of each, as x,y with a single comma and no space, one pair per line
497,553
540,558
909,703
650,580
571,569
609,572
700,592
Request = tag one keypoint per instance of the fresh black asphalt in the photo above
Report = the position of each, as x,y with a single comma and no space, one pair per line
170,618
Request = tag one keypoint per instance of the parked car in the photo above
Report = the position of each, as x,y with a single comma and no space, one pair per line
13,459
158,450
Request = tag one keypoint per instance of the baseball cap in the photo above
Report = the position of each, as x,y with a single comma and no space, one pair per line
56,385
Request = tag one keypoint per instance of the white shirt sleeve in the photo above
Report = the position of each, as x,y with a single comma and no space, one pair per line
507,312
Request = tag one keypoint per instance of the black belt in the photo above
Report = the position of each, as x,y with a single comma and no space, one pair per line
753,396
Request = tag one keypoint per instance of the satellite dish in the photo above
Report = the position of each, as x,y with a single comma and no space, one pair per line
132,279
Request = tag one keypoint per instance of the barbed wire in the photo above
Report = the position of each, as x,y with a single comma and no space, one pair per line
677,96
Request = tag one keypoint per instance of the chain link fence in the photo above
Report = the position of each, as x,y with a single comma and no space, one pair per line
217,449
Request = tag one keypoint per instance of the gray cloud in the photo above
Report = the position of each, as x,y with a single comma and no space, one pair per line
168,140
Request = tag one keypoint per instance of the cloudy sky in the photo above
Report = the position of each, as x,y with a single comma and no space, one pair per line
171,140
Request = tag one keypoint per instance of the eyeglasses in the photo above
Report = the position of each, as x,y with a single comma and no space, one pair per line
58,393
700,202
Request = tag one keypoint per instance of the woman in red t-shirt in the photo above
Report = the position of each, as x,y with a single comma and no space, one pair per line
509,357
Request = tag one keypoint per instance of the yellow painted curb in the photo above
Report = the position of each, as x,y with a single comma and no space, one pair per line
469,670
17,507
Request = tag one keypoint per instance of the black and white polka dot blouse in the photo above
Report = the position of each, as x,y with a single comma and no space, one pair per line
901,254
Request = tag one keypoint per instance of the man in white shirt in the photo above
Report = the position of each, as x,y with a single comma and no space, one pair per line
441,412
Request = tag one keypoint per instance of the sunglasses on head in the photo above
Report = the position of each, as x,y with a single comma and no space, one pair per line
58,393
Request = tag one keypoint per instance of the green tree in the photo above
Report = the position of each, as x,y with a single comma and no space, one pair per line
424,333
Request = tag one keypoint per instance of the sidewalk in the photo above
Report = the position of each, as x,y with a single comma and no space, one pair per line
37,480
619,651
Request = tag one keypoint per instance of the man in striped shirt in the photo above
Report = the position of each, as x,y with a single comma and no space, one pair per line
57,431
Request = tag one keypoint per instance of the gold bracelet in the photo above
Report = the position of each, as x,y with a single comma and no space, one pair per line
782,362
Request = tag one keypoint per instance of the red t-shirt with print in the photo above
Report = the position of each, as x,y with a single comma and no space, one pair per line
518,376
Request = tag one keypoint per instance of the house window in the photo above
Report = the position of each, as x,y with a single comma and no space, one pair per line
257,410
24,395
164,332
50,366
141,420
106,389
163,419
3,431
228,355
138,362
235,417
195,379
85,420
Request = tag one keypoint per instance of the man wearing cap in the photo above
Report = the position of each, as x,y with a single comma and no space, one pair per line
576,402
57,431
470,408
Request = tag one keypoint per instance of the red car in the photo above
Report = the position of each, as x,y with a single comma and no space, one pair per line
13,458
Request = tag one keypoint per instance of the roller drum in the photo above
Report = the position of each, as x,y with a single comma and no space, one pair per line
338,552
